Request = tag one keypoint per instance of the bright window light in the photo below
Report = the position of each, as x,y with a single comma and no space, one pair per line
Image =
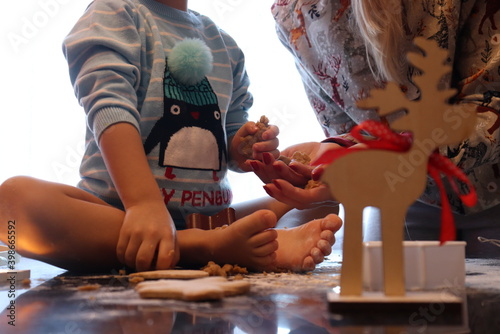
42,126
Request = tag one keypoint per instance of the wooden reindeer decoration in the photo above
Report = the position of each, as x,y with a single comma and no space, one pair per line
392,180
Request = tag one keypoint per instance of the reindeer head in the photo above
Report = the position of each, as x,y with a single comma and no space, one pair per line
430,118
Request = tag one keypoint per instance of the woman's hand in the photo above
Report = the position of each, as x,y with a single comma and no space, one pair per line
296,173
286,183
299,198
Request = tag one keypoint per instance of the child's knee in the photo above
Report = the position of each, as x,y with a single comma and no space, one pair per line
16,190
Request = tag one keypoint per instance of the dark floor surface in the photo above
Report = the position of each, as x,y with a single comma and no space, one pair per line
277,303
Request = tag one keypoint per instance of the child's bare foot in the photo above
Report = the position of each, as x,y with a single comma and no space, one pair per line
248,242
301,248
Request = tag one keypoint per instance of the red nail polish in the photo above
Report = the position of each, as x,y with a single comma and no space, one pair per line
267,158
294,168
268,191
255,166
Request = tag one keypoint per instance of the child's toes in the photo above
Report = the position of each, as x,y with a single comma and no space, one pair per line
266,249
328,235
325,247
263,238
331,222
256,222
308,264
317,255
266,263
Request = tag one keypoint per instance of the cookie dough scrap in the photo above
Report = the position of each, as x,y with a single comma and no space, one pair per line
313,184
213,269
170,274
248,141
208,288
135,279
89,287
302,158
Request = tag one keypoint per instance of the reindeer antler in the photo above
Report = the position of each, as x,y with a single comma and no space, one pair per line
433,64
432,102
394,99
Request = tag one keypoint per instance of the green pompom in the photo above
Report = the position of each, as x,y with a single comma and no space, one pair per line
190,61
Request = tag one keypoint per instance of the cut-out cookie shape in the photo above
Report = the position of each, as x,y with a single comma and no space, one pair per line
173,274
208,288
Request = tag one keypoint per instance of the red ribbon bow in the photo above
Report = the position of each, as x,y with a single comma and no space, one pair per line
382,137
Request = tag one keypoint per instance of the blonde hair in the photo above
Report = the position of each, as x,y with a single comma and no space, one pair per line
381,27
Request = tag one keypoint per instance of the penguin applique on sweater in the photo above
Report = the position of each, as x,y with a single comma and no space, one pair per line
190,132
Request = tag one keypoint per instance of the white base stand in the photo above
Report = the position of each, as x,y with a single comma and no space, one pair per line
377,301
428,265
417,312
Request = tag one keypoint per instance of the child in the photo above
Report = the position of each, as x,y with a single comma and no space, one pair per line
156,151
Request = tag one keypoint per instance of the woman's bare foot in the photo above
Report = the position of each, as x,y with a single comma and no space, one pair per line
301,248
248,242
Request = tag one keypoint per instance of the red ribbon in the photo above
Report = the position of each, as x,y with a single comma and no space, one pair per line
380,136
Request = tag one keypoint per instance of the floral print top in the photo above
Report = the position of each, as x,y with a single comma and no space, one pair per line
333,63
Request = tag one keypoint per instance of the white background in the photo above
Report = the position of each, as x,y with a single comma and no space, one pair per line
42,126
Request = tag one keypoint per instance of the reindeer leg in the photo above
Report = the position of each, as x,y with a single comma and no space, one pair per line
351,278
392,251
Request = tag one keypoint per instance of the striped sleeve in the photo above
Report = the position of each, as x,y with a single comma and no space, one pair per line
103,52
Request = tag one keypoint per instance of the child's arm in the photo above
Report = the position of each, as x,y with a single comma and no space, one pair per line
147,229
237,125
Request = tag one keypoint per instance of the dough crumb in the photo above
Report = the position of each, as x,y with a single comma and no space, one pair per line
89,287
302,158
213,269
135,279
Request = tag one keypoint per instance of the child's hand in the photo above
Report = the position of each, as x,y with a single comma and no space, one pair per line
147,230
147,238
267,144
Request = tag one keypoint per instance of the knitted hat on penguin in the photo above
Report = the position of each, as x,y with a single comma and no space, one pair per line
199,95
185,75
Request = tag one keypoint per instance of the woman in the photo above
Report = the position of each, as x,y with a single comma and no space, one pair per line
345,48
